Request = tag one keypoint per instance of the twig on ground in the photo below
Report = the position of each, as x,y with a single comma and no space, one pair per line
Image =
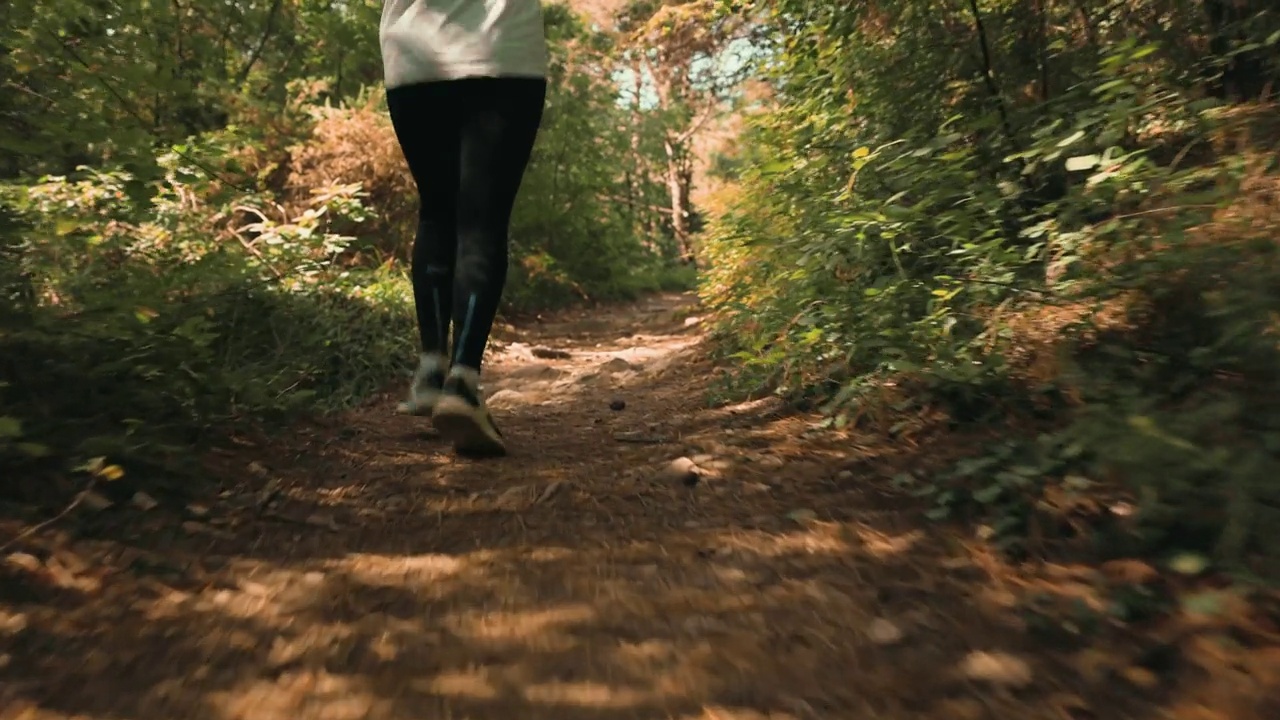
93,481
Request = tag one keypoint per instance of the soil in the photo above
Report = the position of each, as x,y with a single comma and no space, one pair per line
644,552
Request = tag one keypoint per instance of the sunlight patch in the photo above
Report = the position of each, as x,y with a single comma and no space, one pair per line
471,684
539,628
586,694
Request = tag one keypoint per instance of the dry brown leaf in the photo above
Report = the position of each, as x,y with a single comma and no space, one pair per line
1140,677
960,709
1129,572
1095,665
997,668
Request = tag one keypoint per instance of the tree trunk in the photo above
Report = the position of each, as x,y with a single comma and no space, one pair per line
678,181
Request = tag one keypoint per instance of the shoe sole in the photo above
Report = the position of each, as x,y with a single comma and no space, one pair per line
468,431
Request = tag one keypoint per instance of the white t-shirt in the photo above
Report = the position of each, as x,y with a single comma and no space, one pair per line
426,40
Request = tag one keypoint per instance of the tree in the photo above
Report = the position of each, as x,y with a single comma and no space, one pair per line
677,50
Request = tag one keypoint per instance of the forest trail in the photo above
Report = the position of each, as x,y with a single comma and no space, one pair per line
357,569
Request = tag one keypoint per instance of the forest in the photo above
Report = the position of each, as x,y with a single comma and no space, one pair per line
1023,253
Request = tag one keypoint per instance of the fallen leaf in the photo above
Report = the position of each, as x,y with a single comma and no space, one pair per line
997,668
26,561
1094,665
883,632
95,502
1140,677
144,502
111,473
1129,572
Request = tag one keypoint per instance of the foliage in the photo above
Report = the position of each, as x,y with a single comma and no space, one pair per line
1035,215
139,329
205,218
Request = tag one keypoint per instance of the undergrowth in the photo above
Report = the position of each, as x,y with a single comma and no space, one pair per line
1057,281
158,293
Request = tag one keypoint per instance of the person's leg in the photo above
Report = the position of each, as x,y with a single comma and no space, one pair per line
497,141
430,139
498,133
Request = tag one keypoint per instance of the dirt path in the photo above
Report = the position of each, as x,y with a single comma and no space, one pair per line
358,570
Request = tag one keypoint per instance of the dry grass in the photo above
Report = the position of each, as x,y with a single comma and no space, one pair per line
357,145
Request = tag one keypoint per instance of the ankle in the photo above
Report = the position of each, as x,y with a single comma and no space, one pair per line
433,361
464,372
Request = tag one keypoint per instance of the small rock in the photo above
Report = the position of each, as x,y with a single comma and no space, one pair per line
682,470
258,469
802,515
198,510
771,462
547,353
883,632
703,459
996,668
617,404
844,475
691,321
144,502
616,365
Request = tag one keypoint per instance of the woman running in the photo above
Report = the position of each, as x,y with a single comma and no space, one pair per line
466,83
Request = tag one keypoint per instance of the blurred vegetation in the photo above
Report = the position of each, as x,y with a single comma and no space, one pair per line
1028,244
1034,241
205,221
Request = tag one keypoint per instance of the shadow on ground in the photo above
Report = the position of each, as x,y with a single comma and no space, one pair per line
356,569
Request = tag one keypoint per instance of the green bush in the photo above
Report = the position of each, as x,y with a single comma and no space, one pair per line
144,324
1076,245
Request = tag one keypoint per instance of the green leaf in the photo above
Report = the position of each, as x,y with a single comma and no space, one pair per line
35,450
1083,162
1071,139
1203,603
989,494
10,427
938,513
1189,563
65,226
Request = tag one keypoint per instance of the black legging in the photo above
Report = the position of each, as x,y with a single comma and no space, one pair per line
467,143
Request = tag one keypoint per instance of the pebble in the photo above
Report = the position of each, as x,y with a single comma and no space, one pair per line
996,668
682,470
883,632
